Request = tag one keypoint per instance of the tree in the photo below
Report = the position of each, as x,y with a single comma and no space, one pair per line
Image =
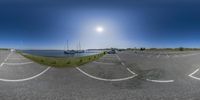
142,49
181,48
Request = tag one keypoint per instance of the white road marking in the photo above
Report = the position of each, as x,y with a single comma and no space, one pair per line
18,63
8,56
103,79
127,68
5,60
25,79
167,56
118,57
191,75
103,63
2,64
122,63
196,65
131,71
120,60
160,81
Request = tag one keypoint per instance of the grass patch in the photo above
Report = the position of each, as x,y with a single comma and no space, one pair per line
4,49
63,62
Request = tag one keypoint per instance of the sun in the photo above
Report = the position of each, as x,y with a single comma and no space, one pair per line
99,29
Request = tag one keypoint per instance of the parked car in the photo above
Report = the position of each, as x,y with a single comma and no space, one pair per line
12,50
112,52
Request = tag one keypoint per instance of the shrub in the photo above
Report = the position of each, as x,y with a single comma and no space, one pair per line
181,48
81,60
69,62
142,49
41,60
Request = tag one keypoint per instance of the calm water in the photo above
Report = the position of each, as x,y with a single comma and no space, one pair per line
60,53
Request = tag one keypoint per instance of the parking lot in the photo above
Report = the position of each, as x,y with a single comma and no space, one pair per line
127,75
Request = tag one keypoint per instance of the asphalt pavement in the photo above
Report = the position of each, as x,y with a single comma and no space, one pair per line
127,75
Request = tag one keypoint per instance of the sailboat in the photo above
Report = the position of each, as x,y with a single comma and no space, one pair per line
68,51
79,49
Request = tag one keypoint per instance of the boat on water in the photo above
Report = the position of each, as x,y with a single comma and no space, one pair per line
79,50
68,51
73,51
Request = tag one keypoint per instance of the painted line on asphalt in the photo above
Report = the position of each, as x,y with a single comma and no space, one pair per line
122,64
167,56
196,65
25,79
160,81
103,79
127,67
120,60
5,60
118,57
97,62
191,75
131,71
8,56
18,63
135,54
158,56
2,64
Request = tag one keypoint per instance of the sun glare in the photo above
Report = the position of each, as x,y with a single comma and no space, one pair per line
99,29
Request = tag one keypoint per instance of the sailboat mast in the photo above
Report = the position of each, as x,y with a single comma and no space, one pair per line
79,46
67,46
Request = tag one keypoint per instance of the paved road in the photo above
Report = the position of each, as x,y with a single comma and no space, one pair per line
160,75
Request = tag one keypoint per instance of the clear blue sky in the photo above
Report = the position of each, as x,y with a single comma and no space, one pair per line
126,23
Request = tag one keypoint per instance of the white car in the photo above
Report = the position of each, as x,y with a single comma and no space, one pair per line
12,50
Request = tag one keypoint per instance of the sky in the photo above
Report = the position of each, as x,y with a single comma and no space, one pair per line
126,24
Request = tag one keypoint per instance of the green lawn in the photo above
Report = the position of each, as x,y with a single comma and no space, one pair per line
63,62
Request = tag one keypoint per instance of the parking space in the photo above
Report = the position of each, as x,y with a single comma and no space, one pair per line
164,54
3,55
14,67
126,75
108,68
